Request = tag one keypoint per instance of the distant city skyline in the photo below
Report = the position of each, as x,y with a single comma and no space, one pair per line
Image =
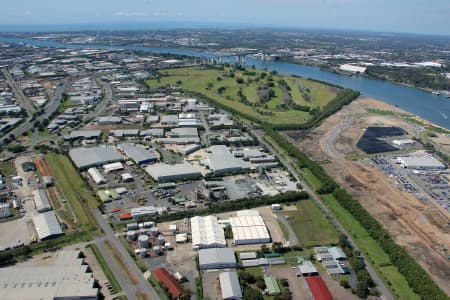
413,16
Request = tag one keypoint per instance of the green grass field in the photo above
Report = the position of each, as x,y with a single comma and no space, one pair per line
205,81
371,250
312,180
74,189
7,168
106,270
310,225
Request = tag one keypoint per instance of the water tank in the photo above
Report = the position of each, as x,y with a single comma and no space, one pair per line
161,240
156,250
143,252
149,224
143,241
154,231
142,231
141,225
131,235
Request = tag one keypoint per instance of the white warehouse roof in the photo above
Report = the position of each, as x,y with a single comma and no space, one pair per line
41,201
229,285
421,162
216,258
47,226
249,230
96,176
61,277
221,161
207,232
163,172
85,158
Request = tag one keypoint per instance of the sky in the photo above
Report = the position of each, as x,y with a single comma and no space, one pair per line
412,16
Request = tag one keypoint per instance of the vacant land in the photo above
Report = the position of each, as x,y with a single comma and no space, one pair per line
268,97
310,225
412,223
74,190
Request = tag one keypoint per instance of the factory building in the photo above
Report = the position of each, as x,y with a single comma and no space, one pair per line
96,176
112,167
144,211
84,135
220,161
207,233
138,153
216,258
41,201
65,276
170,282
85,158
184,132
229,286
47,225
421,163
166,172
248,228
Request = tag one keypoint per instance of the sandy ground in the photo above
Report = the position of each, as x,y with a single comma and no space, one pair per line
421,227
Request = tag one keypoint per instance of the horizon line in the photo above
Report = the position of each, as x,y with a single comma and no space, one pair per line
171,25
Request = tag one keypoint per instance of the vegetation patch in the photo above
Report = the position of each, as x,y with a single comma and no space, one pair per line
106,270
310,225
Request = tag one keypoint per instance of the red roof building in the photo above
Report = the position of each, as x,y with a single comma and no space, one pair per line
318,288
170,282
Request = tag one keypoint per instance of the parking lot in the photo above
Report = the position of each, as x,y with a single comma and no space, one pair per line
425,185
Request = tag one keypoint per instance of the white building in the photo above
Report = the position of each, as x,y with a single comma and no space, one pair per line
216,258
207,233
96,176
421,163
248,228
229,286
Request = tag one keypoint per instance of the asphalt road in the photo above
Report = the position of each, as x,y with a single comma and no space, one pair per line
24,102
51,107
288,164
128,288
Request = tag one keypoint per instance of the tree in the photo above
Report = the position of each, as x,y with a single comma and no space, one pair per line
252,294
277,247
361,290
260,283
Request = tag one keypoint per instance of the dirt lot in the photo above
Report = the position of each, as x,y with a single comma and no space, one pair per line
421,227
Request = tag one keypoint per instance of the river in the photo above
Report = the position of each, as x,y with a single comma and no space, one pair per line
416,101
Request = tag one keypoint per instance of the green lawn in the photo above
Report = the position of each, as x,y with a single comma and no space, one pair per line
7,168
312,180
106,270
74,190
205,81
371,250
310,225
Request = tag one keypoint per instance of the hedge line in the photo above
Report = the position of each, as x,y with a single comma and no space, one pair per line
239,204
417,278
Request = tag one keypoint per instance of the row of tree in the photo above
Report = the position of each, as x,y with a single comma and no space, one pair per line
417,278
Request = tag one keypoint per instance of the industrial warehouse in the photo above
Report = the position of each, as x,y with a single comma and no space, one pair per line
248,228
216,258
47,225
138,153
220,161
207,233
66,276
166,172
421,163
85,158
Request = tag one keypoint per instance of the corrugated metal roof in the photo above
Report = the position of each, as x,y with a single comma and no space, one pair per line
47,225
95,156
229,285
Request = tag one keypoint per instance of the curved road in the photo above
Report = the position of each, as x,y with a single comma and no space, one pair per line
289,165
